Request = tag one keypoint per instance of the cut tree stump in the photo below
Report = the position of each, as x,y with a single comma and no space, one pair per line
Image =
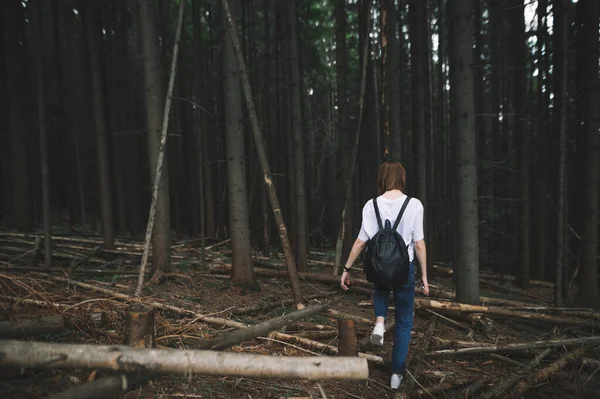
26,328
235,337
516,348
545,373
35,253
139,327
347,344
174,361
514,378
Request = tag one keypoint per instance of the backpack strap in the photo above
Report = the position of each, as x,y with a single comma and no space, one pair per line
397,222
377,214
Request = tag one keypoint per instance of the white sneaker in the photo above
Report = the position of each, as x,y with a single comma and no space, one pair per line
377,334
395,381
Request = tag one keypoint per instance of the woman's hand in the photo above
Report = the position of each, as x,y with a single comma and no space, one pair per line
425,287
345,280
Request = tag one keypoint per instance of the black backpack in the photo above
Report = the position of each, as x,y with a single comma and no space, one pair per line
387,261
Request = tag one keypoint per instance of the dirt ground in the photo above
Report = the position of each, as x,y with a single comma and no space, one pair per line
205,292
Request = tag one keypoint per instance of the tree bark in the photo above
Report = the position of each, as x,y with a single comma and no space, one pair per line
460,17
139,327
520,93
176,361
348,186
246,334
561,57
419,69
590,109
267,176
157,123
45,173
95,42
13,24
347,344
242,272
301,218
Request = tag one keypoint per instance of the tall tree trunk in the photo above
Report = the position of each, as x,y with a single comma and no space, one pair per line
95,44
520,93
13,24
561,56
460,20
385,32
268,177
393,74
542,148
41,103
161,235
242,271
590,104
298,140
419,71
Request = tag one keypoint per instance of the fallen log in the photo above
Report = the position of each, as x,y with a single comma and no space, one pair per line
471,390
449,320
441,270
417,359
235,337
514,291
156,305
514,378
318,346
548,371
341,315
26,328
102,388
499,312
174,361
263,307
458,343
513,348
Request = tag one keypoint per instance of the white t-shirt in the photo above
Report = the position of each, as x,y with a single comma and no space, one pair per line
411,224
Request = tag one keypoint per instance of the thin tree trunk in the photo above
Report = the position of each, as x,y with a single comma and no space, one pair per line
350,179
157,123
268,177
419,65
520,109
41,103
242,271
13,24
561,56
95,43
393,75
460,16
161,151
590,105
384,32
301,218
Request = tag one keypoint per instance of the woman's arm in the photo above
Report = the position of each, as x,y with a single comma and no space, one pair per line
421,253
357,248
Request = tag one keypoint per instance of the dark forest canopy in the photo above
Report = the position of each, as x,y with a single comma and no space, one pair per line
491,105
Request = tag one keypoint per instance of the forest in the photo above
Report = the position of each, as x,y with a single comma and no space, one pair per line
182,182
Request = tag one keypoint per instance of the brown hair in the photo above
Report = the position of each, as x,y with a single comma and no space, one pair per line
391,176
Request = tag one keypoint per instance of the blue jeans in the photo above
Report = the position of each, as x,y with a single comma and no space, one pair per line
404,298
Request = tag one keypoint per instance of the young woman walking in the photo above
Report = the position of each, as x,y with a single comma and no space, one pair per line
390,183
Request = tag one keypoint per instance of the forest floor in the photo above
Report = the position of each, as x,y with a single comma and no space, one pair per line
207,290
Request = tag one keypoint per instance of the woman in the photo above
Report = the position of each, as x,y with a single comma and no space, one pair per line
390,183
